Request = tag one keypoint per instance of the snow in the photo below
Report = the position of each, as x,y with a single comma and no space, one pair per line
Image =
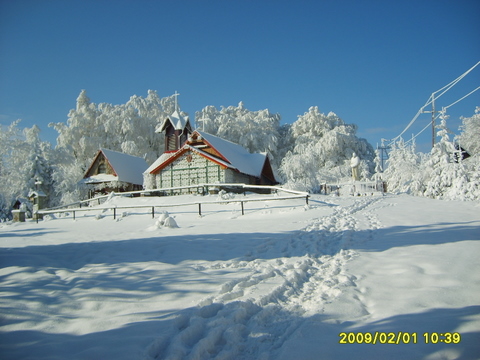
127,167
99,178
164,157
176,119
281,282
209,156
238,156
36,193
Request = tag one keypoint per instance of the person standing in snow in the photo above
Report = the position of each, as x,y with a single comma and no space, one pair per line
354,164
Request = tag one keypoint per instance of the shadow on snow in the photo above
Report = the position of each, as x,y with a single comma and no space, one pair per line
166,334
210,331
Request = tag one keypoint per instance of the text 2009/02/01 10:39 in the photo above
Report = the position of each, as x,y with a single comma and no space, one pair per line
399,337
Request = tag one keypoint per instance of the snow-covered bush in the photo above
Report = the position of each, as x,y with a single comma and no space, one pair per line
165,220
170,223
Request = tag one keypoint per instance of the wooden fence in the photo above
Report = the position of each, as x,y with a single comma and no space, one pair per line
74,210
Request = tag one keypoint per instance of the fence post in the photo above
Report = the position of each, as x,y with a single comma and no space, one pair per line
243,213
73,214
306,199
199,209
153,212
114,213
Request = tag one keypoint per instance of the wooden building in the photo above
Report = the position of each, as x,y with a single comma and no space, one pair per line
114,171
208,159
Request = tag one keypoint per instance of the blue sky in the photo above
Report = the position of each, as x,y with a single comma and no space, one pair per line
372,62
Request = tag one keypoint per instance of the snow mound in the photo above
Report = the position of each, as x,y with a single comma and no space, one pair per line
170,223
223,195
161,219
164,220
49,217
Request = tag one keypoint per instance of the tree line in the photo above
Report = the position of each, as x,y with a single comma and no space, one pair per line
313,150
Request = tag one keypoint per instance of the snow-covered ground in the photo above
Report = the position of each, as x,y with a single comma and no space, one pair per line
281,282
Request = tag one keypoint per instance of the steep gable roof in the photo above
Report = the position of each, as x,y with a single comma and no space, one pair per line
176,119
237,155
227,154
127,168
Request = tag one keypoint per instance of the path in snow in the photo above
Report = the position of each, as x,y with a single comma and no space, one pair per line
226,286
288,279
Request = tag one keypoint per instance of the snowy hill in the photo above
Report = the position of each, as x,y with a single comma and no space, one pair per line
284,281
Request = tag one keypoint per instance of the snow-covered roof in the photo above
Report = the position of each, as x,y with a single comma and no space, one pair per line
210,156
164,157
237,155
38,193
231,155
127,167
178,121
100,178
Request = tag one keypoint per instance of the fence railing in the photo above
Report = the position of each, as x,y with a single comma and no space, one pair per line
353,188
75,210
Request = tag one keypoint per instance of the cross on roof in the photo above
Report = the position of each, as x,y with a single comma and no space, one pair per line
176,100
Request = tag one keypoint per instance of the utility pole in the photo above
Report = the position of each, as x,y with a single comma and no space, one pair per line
383,153
433,118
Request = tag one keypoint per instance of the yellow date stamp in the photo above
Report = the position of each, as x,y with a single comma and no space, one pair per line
399,337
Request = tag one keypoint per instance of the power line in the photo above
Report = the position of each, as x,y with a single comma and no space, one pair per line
421,131
431,100
470,93
446,107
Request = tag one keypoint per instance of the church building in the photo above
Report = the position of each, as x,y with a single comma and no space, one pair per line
196,157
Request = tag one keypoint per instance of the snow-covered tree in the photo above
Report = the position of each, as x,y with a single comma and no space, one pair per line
322,148
128,128
439,168
404,170
24,160
469,138
39,168
438,174
10,137
378,166
257,131
449,178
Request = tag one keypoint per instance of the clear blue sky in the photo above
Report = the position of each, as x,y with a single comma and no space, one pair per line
372,62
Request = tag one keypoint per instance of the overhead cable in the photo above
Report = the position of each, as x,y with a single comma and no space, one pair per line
470,93
432,98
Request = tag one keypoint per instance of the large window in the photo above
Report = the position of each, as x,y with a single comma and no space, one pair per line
102,168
